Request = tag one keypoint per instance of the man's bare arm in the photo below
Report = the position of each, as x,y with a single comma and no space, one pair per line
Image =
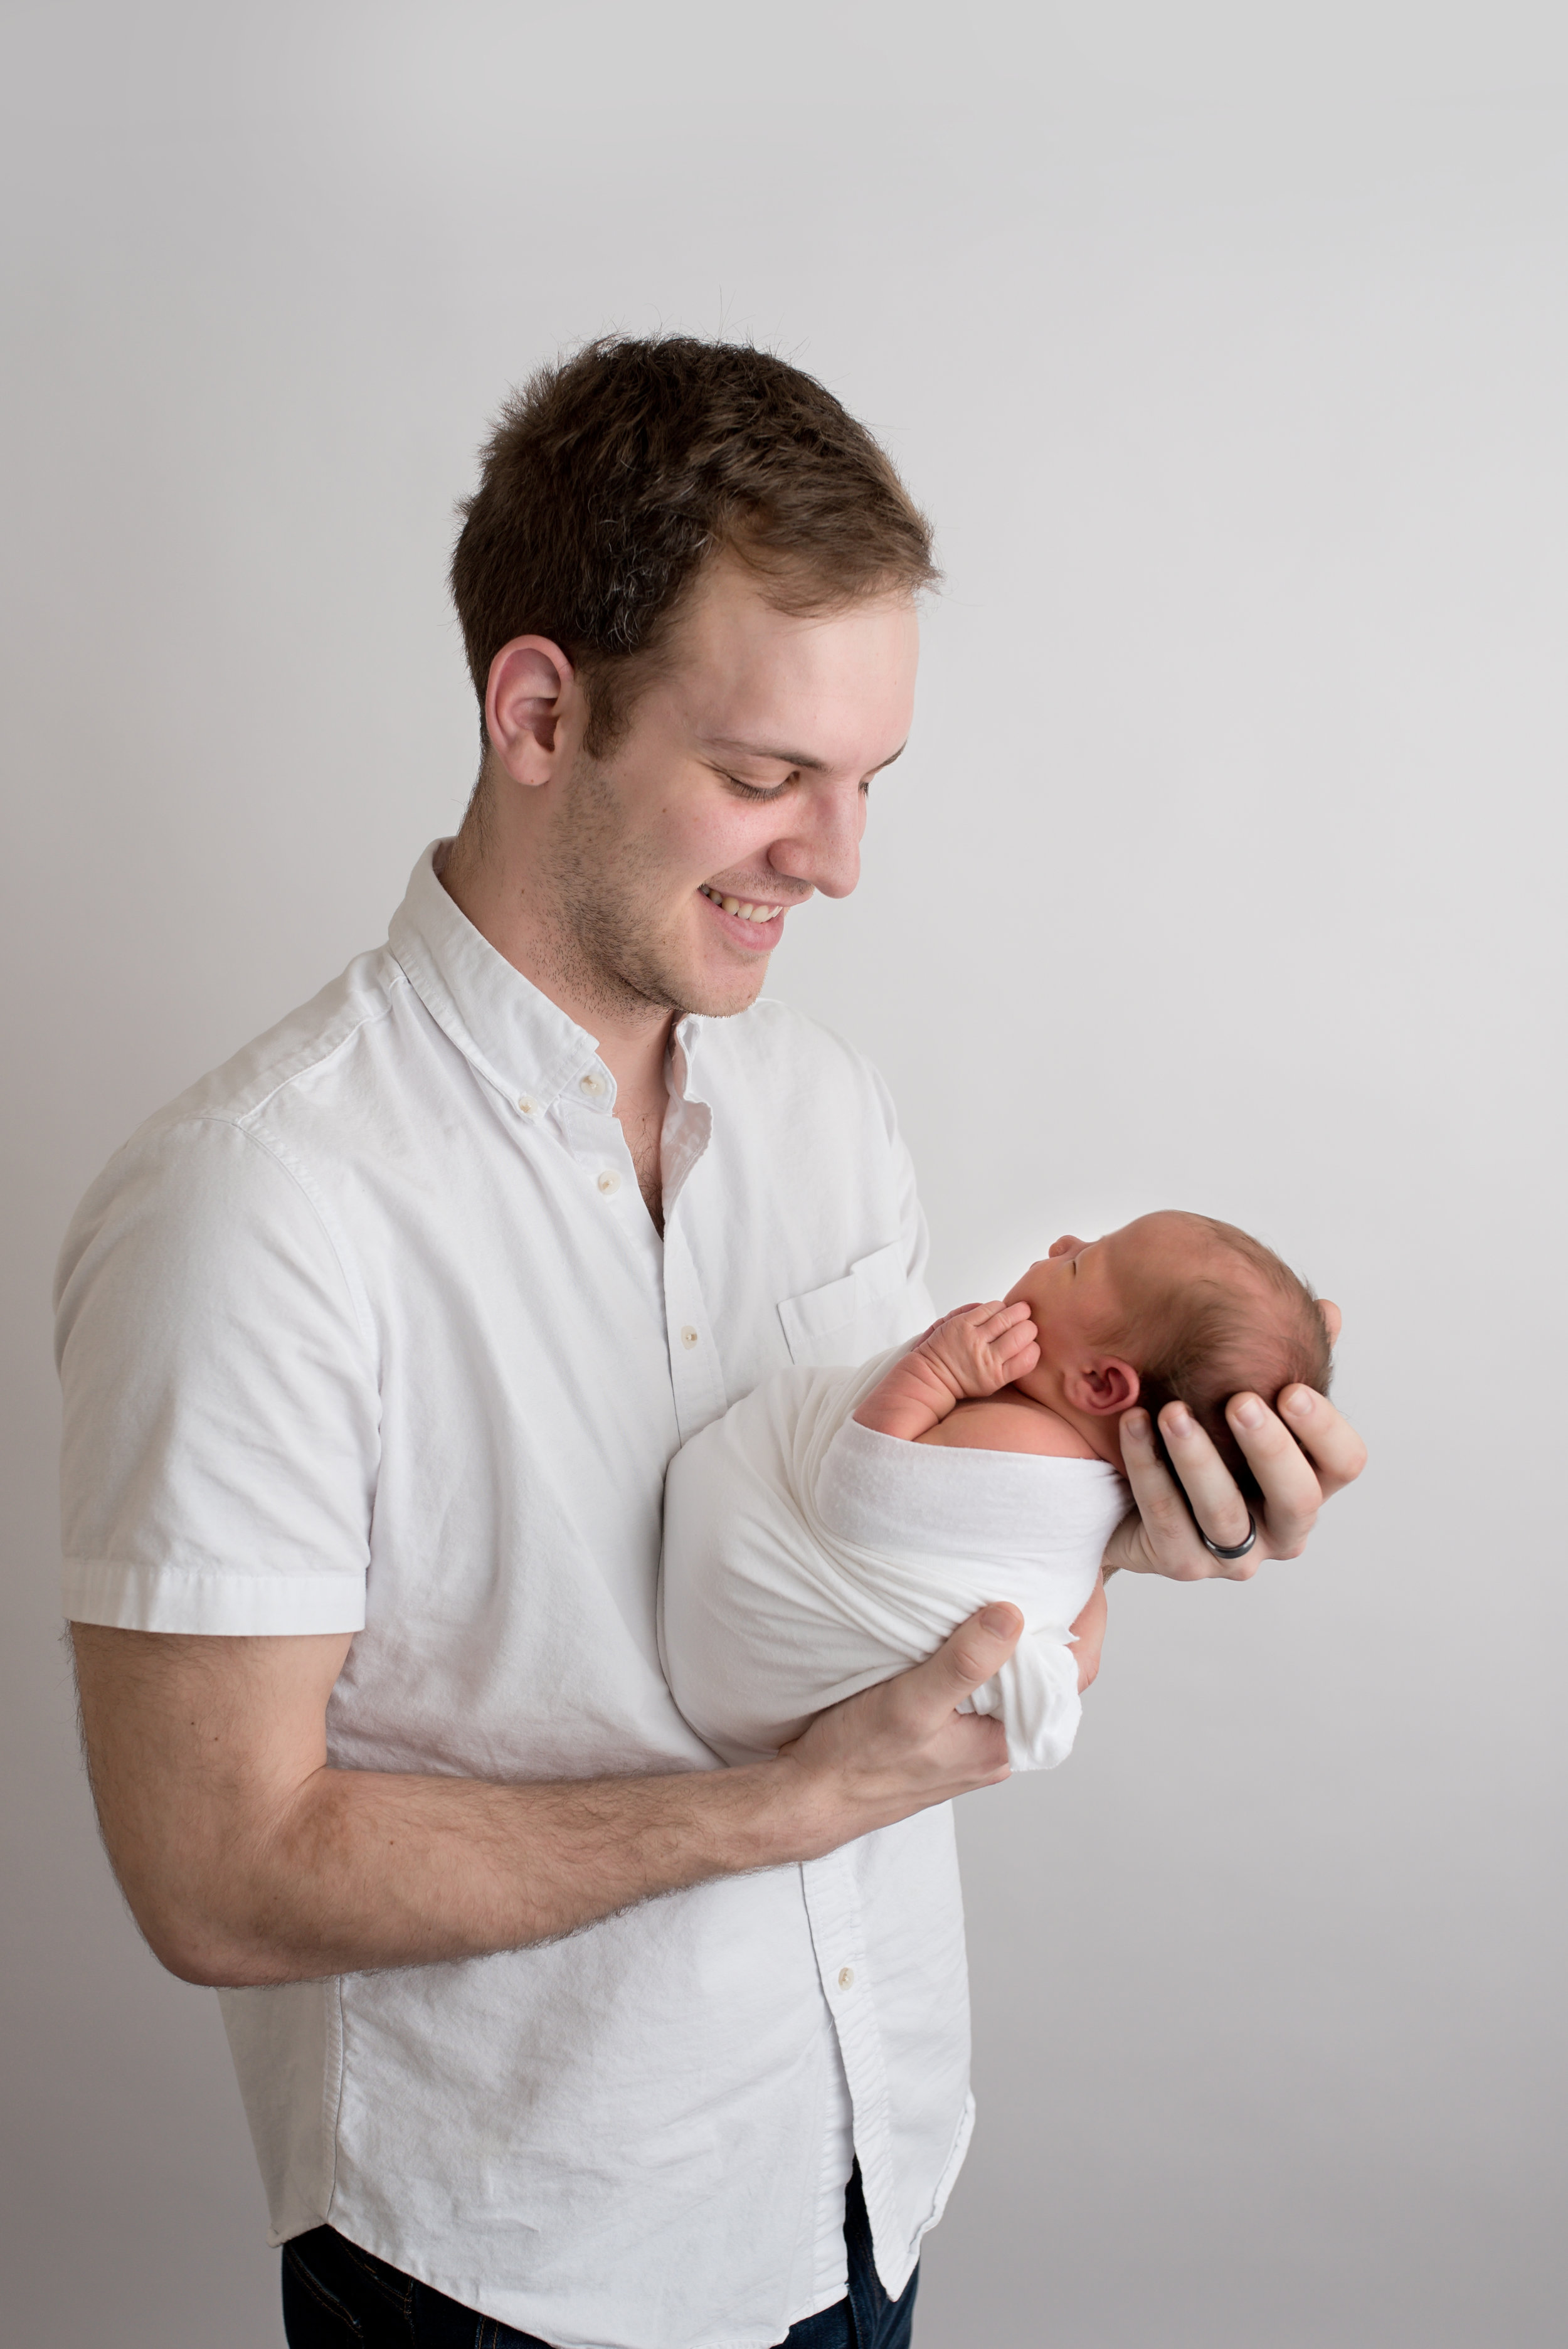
246,1859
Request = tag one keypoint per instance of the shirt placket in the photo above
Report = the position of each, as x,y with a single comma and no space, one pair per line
697,1372
584,1117
844,1969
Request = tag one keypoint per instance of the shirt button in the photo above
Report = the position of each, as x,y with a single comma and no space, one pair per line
846,1977
528,1105
688,1337
609,1183
591,1083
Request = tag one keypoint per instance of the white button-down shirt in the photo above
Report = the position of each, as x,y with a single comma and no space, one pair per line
371,1331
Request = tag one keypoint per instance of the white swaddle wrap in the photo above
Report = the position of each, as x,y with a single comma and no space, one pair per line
806,1558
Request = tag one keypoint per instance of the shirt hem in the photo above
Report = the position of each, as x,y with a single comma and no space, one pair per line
231,1606
517,2315
895,2275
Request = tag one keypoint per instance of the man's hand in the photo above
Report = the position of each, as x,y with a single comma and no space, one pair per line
1301,1458
902,1745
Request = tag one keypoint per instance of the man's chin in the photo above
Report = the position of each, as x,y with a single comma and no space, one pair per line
713,1001
681,977
719,993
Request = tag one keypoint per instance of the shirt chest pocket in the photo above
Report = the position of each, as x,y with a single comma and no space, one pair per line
848,1319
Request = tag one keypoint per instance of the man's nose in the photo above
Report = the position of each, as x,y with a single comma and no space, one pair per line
823,843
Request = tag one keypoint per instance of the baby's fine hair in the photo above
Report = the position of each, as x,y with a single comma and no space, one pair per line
1201,1341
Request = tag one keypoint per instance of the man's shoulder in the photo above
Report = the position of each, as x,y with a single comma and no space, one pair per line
280,1066
208,1148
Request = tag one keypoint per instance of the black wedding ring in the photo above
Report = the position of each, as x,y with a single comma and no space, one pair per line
1239,1550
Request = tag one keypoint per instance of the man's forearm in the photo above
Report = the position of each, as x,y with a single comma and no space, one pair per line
366,1869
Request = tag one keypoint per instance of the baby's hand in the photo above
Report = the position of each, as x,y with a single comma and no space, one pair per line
970,1354
980,1349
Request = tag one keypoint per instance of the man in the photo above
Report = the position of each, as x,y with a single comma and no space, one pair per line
375,1348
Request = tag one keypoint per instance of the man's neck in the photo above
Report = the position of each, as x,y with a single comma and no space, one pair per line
633,1038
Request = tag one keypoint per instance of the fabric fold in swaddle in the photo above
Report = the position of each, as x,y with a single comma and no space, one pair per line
807,1558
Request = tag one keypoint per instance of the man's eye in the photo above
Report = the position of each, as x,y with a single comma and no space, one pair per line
755,791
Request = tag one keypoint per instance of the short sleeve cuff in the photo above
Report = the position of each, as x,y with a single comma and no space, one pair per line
229,1606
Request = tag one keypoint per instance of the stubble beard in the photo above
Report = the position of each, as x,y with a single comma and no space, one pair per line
608,948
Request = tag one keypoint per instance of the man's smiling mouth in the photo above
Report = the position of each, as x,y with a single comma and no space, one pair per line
743,908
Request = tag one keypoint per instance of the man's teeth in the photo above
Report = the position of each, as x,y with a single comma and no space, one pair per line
748,913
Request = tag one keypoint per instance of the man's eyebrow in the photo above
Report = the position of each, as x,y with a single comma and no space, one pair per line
787,758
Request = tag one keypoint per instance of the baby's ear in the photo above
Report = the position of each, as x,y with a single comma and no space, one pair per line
1106,1388
1333,1319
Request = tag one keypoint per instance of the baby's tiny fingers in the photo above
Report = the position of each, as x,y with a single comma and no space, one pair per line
1016,1341
957,1313
989,1321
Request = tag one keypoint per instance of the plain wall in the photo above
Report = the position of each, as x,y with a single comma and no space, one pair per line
1227,347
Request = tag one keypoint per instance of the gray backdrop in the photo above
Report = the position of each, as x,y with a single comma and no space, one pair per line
1226,342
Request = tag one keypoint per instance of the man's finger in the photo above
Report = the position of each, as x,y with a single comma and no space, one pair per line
969,1656
1152,1535
1291,1493
1217,1504
1337,1452
1161,1537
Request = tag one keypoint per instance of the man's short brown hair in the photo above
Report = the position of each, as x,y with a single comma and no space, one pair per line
615,474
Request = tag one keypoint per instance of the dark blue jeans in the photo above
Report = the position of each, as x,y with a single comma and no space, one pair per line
335,2293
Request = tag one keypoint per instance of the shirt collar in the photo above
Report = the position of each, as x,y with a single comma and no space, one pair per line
511,1031
517,1038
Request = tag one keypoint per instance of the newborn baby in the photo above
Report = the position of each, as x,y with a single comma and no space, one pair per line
836,1525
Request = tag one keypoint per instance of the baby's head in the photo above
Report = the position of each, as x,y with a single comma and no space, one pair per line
1172,1306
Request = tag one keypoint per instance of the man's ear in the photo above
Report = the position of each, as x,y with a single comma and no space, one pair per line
1105,1388
532,688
